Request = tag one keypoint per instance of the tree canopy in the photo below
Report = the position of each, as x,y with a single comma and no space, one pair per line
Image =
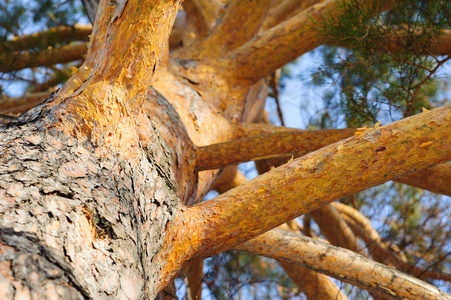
155,105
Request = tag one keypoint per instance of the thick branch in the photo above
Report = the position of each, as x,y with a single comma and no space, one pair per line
284,9
292,38
289,143
268,141
250,16
305,184
312,284
20,60
128,40
341,264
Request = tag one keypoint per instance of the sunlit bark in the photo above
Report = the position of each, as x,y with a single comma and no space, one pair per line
308,183
268,141
294,37
312,284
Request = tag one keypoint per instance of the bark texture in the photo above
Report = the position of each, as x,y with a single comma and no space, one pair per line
77,220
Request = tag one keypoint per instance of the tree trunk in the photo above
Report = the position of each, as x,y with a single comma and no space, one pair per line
78,220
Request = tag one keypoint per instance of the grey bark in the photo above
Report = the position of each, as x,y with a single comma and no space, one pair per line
77,221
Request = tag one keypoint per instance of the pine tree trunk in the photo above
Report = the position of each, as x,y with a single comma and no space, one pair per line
76,220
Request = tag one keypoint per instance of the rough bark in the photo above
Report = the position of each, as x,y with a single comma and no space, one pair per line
308,183
75,217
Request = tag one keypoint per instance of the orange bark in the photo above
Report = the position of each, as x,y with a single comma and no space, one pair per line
195,276
435,179
335,229
289,143
306,184
285,9
268,141
312,284
203,13
249,15
292,38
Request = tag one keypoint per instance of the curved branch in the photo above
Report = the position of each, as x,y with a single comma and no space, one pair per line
285,9
341,264
203,15
250,16
335,229
313,284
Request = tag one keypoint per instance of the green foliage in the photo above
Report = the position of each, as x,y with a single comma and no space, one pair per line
387,65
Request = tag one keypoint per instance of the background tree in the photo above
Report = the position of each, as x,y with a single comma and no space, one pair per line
101,185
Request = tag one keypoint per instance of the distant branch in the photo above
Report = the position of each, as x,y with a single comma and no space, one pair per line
20,60
335,229
341,264
44,39
21,104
